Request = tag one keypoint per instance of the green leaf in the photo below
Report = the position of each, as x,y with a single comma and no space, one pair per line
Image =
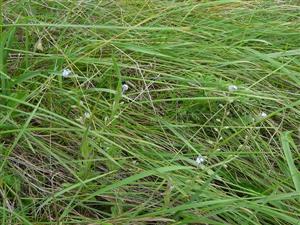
285,141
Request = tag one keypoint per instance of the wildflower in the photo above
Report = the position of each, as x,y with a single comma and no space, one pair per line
125,87
80,120
39,45
232,88
263,115
200,160
66,72
87,115
210,142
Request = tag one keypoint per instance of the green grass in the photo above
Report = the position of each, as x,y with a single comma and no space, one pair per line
77,150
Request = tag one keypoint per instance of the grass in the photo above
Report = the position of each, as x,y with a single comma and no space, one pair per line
79,150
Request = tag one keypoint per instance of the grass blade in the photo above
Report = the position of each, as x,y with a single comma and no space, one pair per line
285,141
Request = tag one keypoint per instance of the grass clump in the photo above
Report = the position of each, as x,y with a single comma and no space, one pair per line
205,132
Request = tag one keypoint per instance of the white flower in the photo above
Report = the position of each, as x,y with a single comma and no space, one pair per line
66,72
200,160
81,103
232,88
87,115
263,115
210,142
80,120
125,87
39,45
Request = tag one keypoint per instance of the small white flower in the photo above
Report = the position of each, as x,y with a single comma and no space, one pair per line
80,120
125,87
218,120
232,88
210,142
200,160
87,115
39,45
81,103
263,115
135,162
66,72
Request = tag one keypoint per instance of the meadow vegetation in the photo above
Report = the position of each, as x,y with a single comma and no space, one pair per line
206,130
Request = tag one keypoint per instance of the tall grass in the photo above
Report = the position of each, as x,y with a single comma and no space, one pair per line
80,149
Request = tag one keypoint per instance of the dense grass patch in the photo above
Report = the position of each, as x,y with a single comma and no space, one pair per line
108,109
